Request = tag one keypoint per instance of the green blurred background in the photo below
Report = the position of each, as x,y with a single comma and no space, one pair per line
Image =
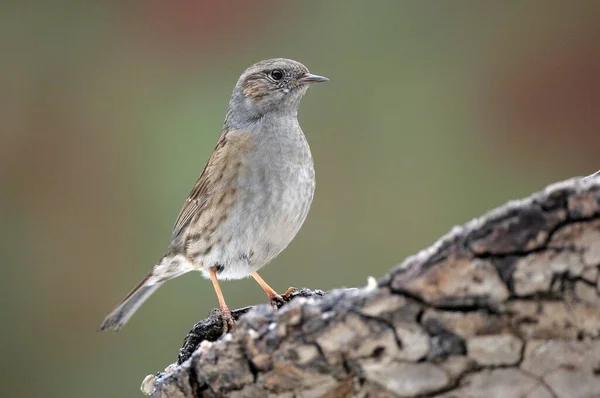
435,112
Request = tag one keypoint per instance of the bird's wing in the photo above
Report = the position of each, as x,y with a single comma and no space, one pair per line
217,179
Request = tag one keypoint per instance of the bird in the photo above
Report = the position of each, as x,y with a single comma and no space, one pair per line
252,196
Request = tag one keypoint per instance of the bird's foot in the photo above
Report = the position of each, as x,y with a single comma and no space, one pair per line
278,300
227,320
290,290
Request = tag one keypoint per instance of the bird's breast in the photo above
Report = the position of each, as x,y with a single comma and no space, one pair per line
280,178
276,190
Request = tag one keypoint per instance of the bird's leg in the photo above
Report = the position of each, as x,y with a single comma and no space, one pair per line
225,311
275,299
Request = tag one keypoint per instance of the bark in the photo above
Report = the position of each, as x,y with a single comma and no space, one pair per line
507,305
596,174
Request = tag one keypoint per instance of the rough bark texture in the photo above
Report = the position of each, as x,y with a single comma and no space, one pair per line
506,306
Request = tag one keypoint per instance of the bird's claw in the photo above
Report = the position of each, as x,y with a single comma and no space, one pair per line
277,301
290,290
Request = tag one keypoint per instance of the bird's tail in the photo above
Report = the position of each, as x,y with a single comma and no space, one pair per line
120,315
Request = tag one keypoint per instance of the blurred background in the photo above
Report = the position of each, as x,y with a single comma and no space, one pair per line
434,113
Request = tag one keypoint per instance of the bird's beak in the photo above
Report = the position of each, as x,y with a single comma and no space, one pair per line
309,78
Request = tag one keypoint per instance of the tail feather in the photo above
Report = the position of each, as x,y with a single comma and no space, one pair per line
120,315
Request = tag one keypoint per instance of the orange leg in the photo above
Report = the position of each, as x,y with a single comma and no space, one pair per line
225,312
268,289
275,299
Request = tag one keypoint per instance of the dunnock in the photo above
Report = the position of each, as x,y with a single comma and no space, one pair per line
252,196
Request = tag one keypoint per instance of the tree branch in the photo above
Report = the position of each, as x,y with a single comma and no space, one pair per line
506,306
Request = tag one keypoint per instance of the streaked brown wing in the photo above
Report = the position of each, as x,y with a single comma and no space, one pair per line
189,208
222,168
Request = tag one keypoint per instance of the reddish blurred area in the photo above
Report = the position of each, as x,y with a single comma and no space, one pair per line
547,94
185,26
190,20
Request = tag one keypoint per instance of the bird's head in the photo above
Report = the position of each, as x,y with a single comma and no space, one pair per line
275,85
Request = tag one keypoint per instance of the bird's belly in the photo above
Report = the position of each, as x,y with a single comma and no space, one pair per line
273,206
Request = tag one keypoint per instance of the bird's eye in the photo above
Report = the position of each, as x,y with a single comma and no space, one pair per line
277,74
